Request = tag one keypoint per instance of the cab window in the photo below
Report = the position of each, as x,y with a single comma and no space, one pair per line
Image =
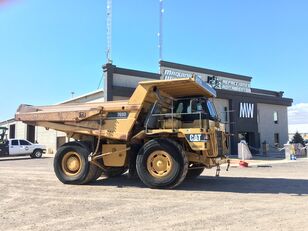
24,142
212,109
15,142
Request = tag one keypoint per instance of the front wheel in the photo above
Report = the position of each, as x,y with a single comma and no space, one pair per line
161,163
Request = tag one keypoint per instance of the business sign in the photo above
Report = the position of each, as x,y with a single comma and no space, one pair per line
229,84
246,110
174,74
217,82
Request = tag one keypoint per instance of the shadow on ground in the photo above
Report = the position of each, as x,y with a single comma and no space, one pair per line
21,158
224,184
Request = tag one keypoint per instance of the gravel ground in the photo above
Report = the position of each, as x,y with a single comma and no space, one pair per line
271,197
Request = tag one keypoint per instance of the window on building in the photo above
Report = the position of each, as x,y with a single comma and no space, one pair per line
15,142
275,117
276,139
31,133
12,131
24,142
226,114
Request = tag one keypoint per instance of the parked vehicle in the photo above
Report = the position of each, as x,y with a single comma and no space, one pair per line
166,131
21,147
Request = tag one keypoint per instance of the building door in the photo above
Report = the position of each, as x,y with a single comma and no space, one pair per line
250,139
31,133
12,131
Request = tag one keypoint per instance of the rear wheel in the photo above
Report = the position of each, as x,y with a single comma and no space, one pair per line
161,163
36,153
71,165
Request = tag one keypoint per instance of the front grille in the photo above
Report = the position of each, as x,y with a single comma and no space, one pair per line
219,142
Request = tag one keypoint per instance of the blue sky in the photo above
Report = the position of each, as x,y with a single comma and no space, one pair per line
50,48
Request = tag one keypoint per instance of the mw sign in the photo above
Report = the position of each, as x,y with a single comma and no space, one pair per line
246,110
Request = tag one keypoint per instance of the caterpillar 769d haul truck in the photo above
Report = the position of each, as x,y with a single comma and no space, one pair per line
166,131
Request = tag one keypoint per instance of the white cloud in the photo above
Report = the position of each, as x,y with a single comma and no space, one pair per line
298,113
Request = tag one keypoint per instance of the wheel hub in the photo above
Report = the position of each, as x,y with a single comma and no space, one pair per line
159,163
71,163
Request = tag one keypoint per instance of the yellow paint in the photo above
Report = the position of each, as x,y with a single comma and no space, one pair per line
116,155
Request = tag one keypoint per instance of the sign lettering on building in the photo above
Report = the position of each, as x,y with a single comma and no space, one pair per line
174,74
229,84
246,110
217,82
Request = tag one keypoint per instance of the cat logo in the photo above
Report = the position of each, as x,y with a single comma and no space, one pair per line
196,137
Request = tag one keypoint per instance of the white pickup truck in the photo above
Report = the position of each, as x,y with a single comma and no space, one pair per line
21,147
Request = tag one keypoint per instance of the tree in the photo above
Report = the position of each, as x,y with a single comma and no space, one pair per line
298,139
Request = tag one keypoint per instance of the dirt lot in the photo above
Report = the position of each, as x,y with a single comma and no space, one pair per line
257,198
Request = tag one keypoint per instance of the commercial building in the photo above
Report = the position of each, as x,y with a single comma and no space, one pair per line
50,138
256,115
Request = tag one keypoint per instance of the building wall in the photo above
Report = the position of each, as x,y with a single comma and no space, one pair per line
121,80
97,96
266,126
48,138
220,105
20,130
120,83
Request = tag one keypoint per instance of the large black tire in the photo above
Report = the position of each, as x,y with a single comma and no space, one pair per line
99,170
161,163
134,149
194,173
85,171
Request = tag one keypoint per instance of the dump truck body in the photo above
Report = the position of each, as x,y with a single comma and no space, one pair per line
166,130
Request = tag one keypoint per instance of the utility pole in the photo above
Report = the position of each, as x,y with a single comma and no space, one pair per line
109,31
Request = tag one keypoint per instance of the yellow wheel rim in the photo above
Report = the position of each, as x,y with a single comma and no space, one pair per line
71,163
159,164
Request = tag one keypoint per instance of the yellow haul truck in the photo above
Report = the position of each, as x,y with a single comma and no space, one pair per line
166,131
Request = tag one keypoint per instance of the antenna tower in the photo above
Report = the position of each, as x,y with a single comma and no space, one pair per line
109,31
160,33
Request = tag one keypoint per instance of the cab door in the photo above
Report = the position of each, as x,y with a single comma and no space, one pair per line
14,147
25,147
